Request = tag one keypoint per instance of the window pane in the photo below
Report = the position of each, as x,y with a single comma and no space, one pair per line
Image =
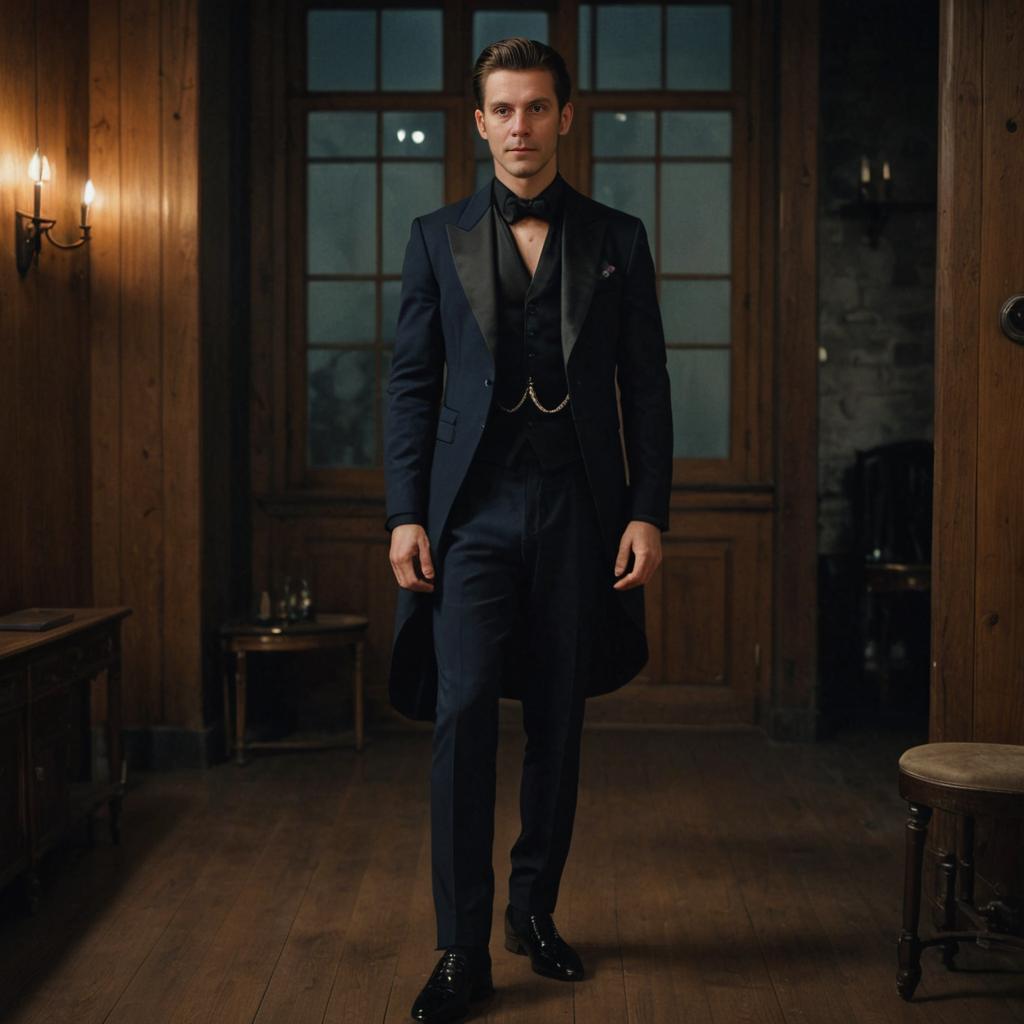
700,402
410,50
696,133
628,47
624,133
413,133
695,218
341,227
341,50
390,295
340,311
484,172
585,41
490,26
349,133
699,47
628,187
342,426
409,190
696,311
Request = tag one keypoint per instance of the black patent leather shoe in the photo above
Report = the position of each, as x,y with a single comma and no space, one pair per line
455,983
549,953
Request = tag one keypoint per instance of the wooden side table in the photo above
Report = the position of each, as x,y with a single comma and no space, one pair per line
240,638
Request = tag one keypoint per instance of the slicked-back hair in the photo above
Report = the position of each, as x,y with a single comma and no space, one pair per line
519,54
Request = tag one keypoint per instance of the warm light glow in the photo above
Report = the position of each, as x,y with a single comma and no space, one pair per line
88,193
46,169
34,166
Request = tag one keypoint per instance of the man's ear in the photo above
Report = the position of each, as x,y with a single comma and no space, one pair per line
565,119
478,117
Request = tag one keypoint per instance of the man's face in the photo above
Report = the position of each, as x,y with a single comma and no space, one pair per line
521,121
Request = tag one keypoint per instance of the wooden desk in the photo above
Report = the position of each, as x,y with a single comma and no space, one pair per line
50,774
328,631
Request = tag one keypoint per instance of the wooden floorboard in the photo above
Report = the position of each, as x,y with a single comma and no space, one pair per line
713,879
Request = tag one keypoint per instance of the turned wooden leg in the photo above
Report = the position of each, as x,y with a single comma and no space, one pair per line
965,876
240,684
226,670
357,696
909,973
947,868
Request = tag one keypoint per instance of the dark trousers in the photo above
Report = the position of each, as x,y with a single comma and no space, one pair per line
522,546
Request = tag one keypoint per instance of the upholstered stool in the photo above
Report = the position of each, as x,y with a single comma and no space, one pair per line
965,779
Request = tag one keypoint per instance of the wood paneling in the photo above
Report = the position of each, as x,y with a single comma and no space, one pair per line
44,394
795,392
146,381
978,520
957,306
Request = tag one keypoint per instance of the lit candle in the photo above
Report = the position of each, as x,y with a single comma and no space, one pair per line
88,195
885,171
865,170
35,172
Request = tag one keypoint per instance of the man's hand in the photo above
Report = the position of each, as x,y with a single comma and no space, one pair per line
644,541
410,558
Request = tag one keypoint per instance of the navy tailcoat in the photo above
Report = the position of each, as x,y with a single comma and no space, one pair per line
442,385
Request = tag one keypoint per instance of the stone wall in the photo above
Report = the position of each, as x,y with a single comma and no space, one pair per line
879,84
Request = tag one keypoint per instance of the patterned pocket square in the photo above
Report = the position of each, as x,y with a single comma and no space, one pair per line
607,269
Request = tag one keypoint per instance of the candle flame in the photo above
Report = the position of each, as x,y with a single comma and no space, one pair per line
88,193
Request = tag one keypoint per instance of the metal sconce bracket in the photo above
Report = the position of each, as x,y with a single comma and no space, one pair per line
28,238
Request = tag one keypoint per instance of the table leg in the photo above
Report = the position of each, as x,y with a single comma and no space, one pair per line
240,682
225,668
117,762
357,703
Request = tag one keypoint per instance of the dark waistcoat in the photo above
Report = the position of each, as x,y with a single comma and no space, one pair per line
529,346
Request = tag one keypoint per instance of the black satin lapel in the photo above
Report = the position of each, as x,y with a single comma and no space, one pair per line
473,253
581,251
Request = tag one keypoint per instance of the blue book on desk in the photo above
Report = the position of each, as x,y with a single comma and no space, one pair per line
36,619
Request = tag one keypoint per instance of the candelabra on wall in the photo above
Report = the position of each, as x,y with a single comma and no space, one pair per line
874,203
30,229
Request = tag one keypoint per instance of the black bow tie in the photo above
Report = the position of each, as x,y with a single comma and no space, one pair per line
513,208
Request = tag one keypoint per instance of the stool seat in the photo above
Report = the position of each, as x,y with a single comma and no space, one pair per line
993,767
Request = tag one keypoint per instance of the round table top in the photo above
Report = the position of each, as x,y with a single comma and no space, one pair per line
323,623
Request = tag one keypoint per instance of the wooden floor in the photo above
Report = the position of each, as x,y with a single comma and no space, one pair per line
714,878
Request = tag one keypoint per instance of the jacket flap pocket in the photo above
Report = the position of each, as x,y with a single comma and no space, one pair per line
447,415
445,432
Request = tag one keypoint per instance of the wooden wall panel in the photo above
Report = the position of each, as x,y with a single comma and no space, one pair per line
44,398
999,603
978,521
104,272
147,386
182,386
142,475
957,315
795,712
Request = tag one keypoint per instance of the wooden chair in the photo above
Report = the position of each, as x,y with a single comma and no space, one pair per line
965,779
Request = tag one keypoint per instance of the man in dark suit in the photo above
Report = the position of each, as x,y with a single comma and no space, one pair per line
517,538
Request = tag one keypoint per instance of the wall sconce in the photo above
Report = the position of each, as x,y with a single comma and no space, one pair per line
874,202
30,230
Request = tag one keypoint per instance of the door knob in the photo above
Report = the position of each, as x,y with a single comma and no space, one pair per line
1011,318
